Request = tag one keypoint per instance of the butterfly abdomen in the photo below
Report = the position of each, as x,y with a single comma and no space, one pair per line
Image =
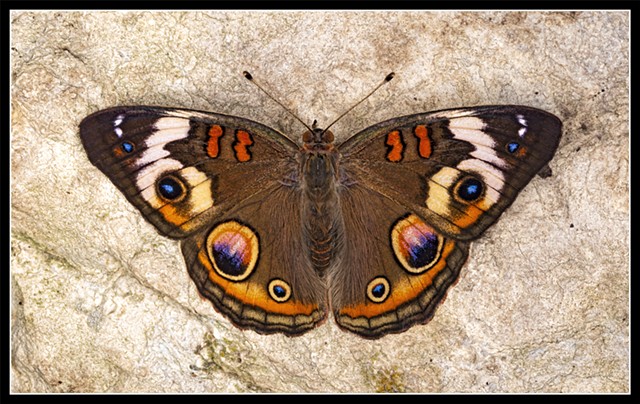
321,207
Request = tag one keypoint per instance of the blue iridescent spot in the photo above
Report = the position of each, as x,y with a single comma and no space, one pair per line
424,251
470,189
378,290
169,188
279,291
227,261
512,147
127,147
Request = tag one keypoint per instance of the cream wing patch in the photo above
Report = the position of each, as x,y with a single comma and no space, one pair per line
156,166
485,165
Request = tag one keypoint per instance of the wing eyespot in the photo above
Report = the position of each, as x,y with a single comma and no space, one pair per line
171,188
279,290
378,289
127,147
233,249
469,189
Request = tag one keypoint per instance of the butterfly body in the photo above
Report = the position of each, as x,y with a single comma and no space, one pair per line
322,222
278,234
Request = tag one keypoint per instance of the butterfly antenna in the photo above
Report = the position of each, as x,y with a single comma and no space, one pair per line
249,77
385,81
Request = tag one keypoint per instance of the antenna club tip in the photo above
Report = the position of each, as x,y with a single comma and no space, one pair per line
389,76
247,75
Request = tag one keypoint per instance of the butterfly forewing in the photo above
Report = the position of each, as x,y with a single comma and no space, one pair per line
178,167
457,169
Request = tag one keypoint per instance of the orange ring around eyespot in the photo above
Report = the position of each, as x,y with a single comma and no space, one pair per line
468,216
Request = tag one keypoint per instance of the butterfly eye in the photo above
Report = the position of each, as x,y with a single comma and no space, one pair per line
171,189
279,290
469,189
378,289
307,137
327,137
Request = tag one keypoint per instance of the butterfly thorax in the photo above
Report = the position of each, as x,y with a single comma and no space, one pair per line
321,207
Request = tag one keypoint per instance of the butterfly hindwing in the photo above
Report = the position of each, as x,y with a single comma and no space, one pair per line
395,269
253,268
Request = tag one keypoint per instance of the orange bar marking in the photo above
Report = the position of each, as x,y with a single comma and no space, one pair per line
397,147
213,145
241,146
424,146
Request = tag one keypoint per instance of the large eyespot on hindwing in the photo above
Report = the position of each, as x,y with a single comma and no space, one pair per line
233,249
416,245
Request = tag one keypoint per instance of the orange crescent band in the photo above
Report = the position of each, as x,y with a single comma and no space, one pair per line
407,290
254,294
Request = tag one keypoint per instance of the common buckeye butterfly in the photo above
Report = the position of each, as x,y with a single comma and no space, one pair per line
276,233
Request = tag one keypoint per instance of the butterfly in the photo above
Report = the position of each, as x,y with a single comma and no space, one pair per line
278,233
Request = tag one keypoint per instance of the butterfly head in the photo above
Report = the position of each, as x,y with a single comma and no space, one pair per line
317,138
